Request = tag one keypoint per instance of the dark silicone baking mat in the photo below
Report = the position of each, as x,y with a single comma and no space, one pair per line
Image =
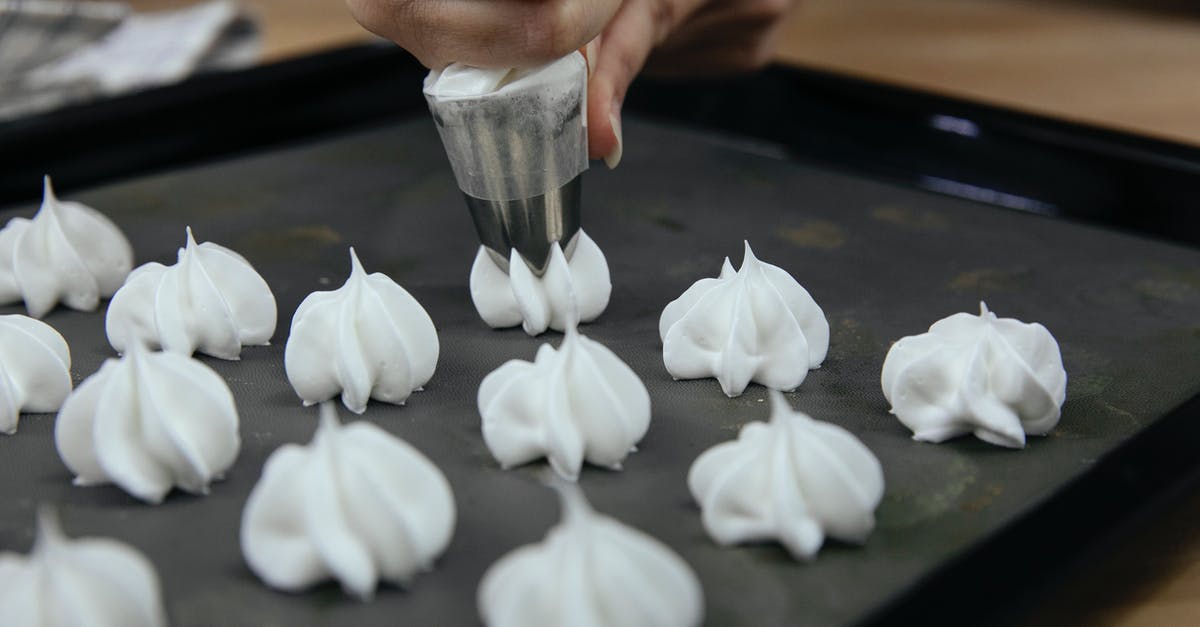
883,261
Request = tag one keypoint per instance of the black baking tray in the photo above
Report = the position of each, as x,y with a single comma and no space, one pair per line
893,208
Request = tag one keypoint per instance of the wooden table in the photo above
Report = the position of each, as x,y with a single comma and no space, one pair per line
1133,66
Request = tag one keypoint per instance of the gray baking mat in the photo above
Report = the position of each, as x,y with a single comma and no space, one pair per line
882,261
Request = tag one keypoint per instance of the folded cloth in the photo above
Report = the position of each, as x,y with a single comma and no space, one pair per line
54,53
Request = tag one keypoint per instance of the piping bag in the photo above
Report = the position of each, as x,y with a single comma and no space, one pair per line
517,142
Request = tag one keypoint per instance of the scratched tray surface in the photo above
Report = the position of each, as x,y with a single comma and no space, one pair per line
882,261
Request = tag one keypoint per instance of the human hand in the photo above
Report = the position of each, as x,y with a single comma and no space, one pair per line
691,37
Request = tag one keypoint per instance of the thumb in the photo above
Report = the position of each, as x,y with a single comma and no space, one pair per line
636,28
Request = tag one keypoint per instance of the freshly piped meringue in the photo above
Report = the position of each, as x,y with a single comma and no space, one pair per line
590,570
211,301
792,479
149,422
367,339
94,582
35,369
357,504
998,378
68,253
579,287
580,402
756,324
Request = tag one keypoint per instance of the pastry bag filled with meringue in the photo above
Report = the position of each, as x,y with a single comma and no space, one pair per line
517,142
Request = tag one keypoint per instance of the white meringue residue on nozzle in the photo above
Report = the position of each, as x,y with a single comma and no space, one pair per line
999,378
591,570
211,301
756,324
579,402
68,253
149,422
87,581
357,505
580,286
791,479
367,339
35,369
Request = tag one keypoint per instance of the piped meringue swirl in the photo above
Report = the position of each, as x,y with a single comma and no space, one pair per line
579,402
579,287
358,505
149,422
999,378
97,582
211,301
367,339
792,479
591,570
35,369
756,324
68,253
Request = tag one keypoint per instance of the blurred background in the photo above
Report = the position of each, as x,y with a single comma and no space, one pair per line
1131,65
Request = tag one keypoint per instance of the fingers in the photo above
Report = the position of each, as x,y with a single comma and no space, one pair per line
626,42
485,33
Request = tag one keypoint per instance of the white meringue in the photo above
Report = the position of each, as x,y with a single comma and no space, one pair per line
68,253
147,422
591,570
579,287
357,504
367,339
756,324
792,479
94,582
998,378
580,402
211,301
35,369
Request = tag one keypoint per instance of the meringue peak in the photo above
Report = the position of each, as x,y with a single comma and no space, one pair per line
577,287
755,324
998,378
590,569
367,339
357,505
66,581
211,301
572,404
67,253
793,479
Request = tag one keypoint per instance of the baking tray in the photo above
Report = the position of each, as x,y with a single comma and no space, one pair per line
883,254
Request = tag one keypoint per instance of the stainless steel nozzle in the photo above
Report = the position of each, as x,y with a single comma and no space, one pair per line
530,225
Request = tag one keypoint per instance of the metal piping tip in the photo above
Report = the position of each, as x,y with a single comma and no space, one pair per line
530,226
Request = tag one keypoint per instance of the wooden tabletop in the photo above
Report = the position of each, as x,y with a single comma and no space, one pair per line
1132,65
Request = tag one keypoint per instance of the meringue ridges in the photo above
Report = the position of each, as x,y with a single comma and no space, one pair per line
212,301
367,339
580,402
591,570
357,505
35,369
148,422
575,290
792,479
93,581
67,253
998,378
756,324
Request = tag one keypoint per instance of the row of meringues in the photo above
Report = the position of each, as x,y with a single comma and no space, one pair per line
151,421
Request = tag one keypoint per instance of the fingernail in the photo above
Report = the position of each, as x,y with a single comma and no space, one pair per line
613,158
